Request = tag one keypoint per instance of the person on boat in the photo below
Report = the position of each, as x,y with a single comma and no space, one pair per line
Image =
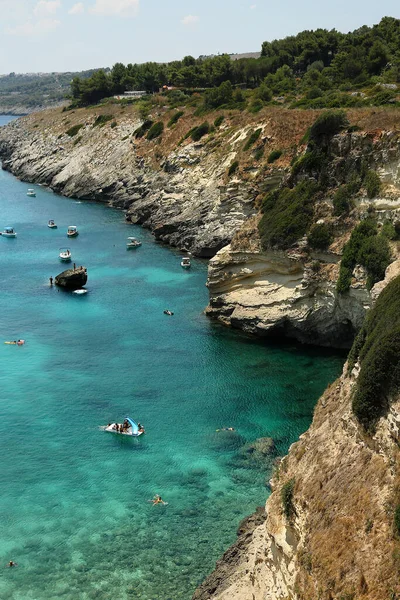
12,564
51,280
157,500
125,424
140,428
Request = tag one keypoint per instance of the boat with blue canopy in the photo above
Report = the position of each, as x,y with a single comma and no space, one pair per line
128,427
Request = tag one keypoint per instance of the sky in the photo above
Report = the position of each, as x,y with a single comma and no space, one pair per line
71,35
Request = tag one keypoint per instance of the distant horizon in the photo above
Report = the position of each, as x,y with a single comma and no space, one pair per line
59,36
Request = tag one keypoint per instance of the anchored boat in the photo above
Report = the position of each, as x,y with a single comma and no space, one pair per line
128,427
9,232
31,193
65,254
133,243
72,231
185,262
51,224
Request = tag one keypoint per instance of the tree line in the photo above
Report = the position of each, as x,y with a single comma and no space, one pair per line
312,62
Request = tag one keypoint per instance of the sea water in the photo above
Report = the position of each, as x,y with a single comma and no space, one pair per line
75,510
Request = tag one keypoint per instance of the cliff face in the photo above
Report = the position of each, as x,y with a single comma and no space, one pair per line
338,541
182,197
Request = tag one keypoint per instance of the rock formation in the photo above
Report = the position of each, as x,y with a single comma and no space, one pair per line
72,279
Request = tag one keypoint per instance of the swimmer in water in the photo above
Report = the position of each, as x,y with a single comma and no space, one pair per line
12,564
157,500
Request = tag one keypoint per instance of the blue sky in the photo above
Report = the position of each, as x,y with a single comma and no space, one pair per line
71,35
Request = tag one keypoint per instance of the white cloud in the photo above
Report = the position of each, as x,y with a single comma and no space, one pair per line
43,9
77,9
31,28
190,20
123,8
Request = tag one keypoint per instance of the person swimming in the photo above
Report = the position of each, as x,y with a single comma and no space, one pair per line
12,564
158,500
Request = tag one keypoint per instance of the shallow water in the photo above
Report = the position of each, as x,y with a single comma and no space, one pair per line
74,501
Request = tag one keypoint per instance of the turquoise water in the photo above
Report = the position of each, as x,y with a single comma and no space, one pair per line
74,500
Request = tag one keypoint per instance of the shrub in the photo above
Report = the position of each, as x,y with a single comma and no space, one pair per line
77,140
258,153
264,93
342,201
377,348
372,184
145,126
274,155
255,106
396,520
287,215
327,125
388,231
155,130
101,120
287,498
311,161
251,140
72,131
233,168
219,96
218,121
320,236
366,248
175,118
113,124
198,132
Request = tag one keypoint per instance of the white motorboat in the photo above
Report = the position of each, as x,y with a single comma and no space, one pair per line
72,231
65,254
51,224
185,262
9,232
31,193
80,292
133,243
128,427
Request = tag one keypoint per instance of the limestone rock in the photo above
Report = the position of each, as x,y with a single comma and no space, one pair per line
72,279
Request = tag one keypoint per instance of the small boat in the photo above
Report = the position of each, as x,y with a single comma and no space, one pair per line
16,342
80,292
185,262
31,193
51,224
168,312
133,243
9,232
65,254
128,427
72,231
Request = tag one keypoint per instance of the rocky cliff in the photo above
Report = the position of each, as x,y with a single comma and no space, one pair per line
329,526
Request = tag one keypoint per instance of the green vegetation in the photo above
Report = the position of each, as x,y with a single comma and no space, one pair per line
274,155
320,236
113,124
287,215
327,125
72,131
315,69
218,121
368,249
101,120
155,130
198,132
233,168
251,140
396,521
175,118
377,348
372,184
145,126
287,498
342,200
